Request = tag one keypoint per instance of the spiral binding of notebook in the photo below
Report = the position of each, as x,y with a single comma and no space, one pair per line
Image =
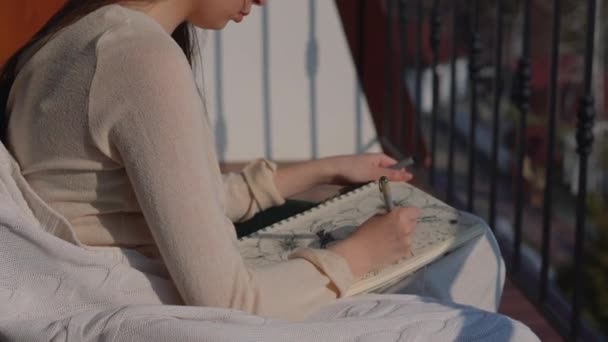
334,199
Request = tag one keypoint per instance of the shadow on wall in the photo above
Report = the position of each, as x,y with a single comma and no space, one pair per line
285,87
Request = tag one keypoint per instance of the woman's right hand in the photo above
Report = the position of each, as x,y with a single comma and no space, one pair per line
380,241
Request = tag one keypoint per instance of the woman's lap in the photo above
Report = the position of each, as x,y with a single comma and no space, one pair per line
472,274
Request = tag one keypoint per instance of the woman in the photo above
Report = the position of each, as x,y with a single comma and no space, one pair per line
108,126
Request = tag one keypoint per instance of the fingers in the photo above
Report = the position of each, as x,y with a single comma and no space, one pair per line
407,219
386,161
395,175
402,175
386,238
411,212
408,214
404,223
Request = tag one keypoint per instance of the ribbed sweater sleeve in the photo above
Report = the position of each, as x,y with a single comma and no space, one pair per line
145,113
251,190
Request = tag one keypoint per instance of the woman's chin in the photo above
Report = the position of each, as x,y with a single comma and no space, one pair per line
219,24
215,26
238,18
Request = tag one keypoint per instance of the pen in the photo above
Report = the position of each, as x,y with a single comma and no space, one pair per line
386,192
407,162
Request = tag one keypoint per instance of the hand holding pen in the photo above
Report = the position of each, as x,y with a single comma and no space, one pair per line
381,240
397,166
385,189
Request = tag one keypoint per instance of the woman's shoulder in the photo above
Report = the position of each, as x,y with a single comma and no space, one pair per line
109,31
129,32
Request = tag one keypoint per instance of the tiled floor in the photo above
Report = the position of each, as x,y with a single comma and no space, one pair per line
515,305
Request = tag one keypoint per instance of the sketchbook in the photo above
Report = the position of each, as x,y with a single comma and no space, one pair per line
440,229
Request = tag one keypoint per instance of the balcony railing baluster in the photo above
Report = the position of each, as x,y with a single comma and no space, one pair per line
416,136
388,91
399,141
435,40
360,79
474,69
220,123
547,210
498,87
452,118
584,139
522,98
312,70
266,83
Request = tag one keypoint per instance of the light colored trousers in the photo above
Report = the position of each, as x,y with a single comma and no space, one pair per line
473,274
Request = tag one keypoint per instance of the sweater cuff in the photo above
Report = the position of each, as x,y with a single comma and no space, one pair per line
259,176
331,264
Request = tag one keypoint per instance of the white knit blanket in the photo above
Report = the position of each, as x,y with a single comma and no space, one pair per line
54,289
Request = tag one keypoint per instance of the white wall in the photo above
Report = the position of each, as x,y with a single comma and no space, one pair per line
240,116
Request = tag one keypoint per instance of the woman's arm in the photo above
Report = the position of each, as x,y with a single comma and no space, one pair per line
251,190
341,170
260,185
145,113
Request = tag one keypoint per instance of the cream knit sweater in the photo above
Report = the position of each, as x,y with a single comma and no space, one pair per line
110,130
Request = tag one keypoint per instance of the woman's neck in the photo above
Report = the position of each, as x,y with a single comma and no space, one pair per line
168,13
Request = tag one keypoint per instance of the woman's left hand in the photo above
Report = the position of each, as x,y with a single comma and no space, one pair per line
363,168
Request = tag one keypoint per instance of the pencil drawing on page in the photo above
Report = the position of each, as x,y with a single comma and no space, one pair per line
336,219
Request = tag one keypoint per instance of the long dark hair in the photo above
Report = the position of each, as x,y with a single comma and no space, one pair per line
184,35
